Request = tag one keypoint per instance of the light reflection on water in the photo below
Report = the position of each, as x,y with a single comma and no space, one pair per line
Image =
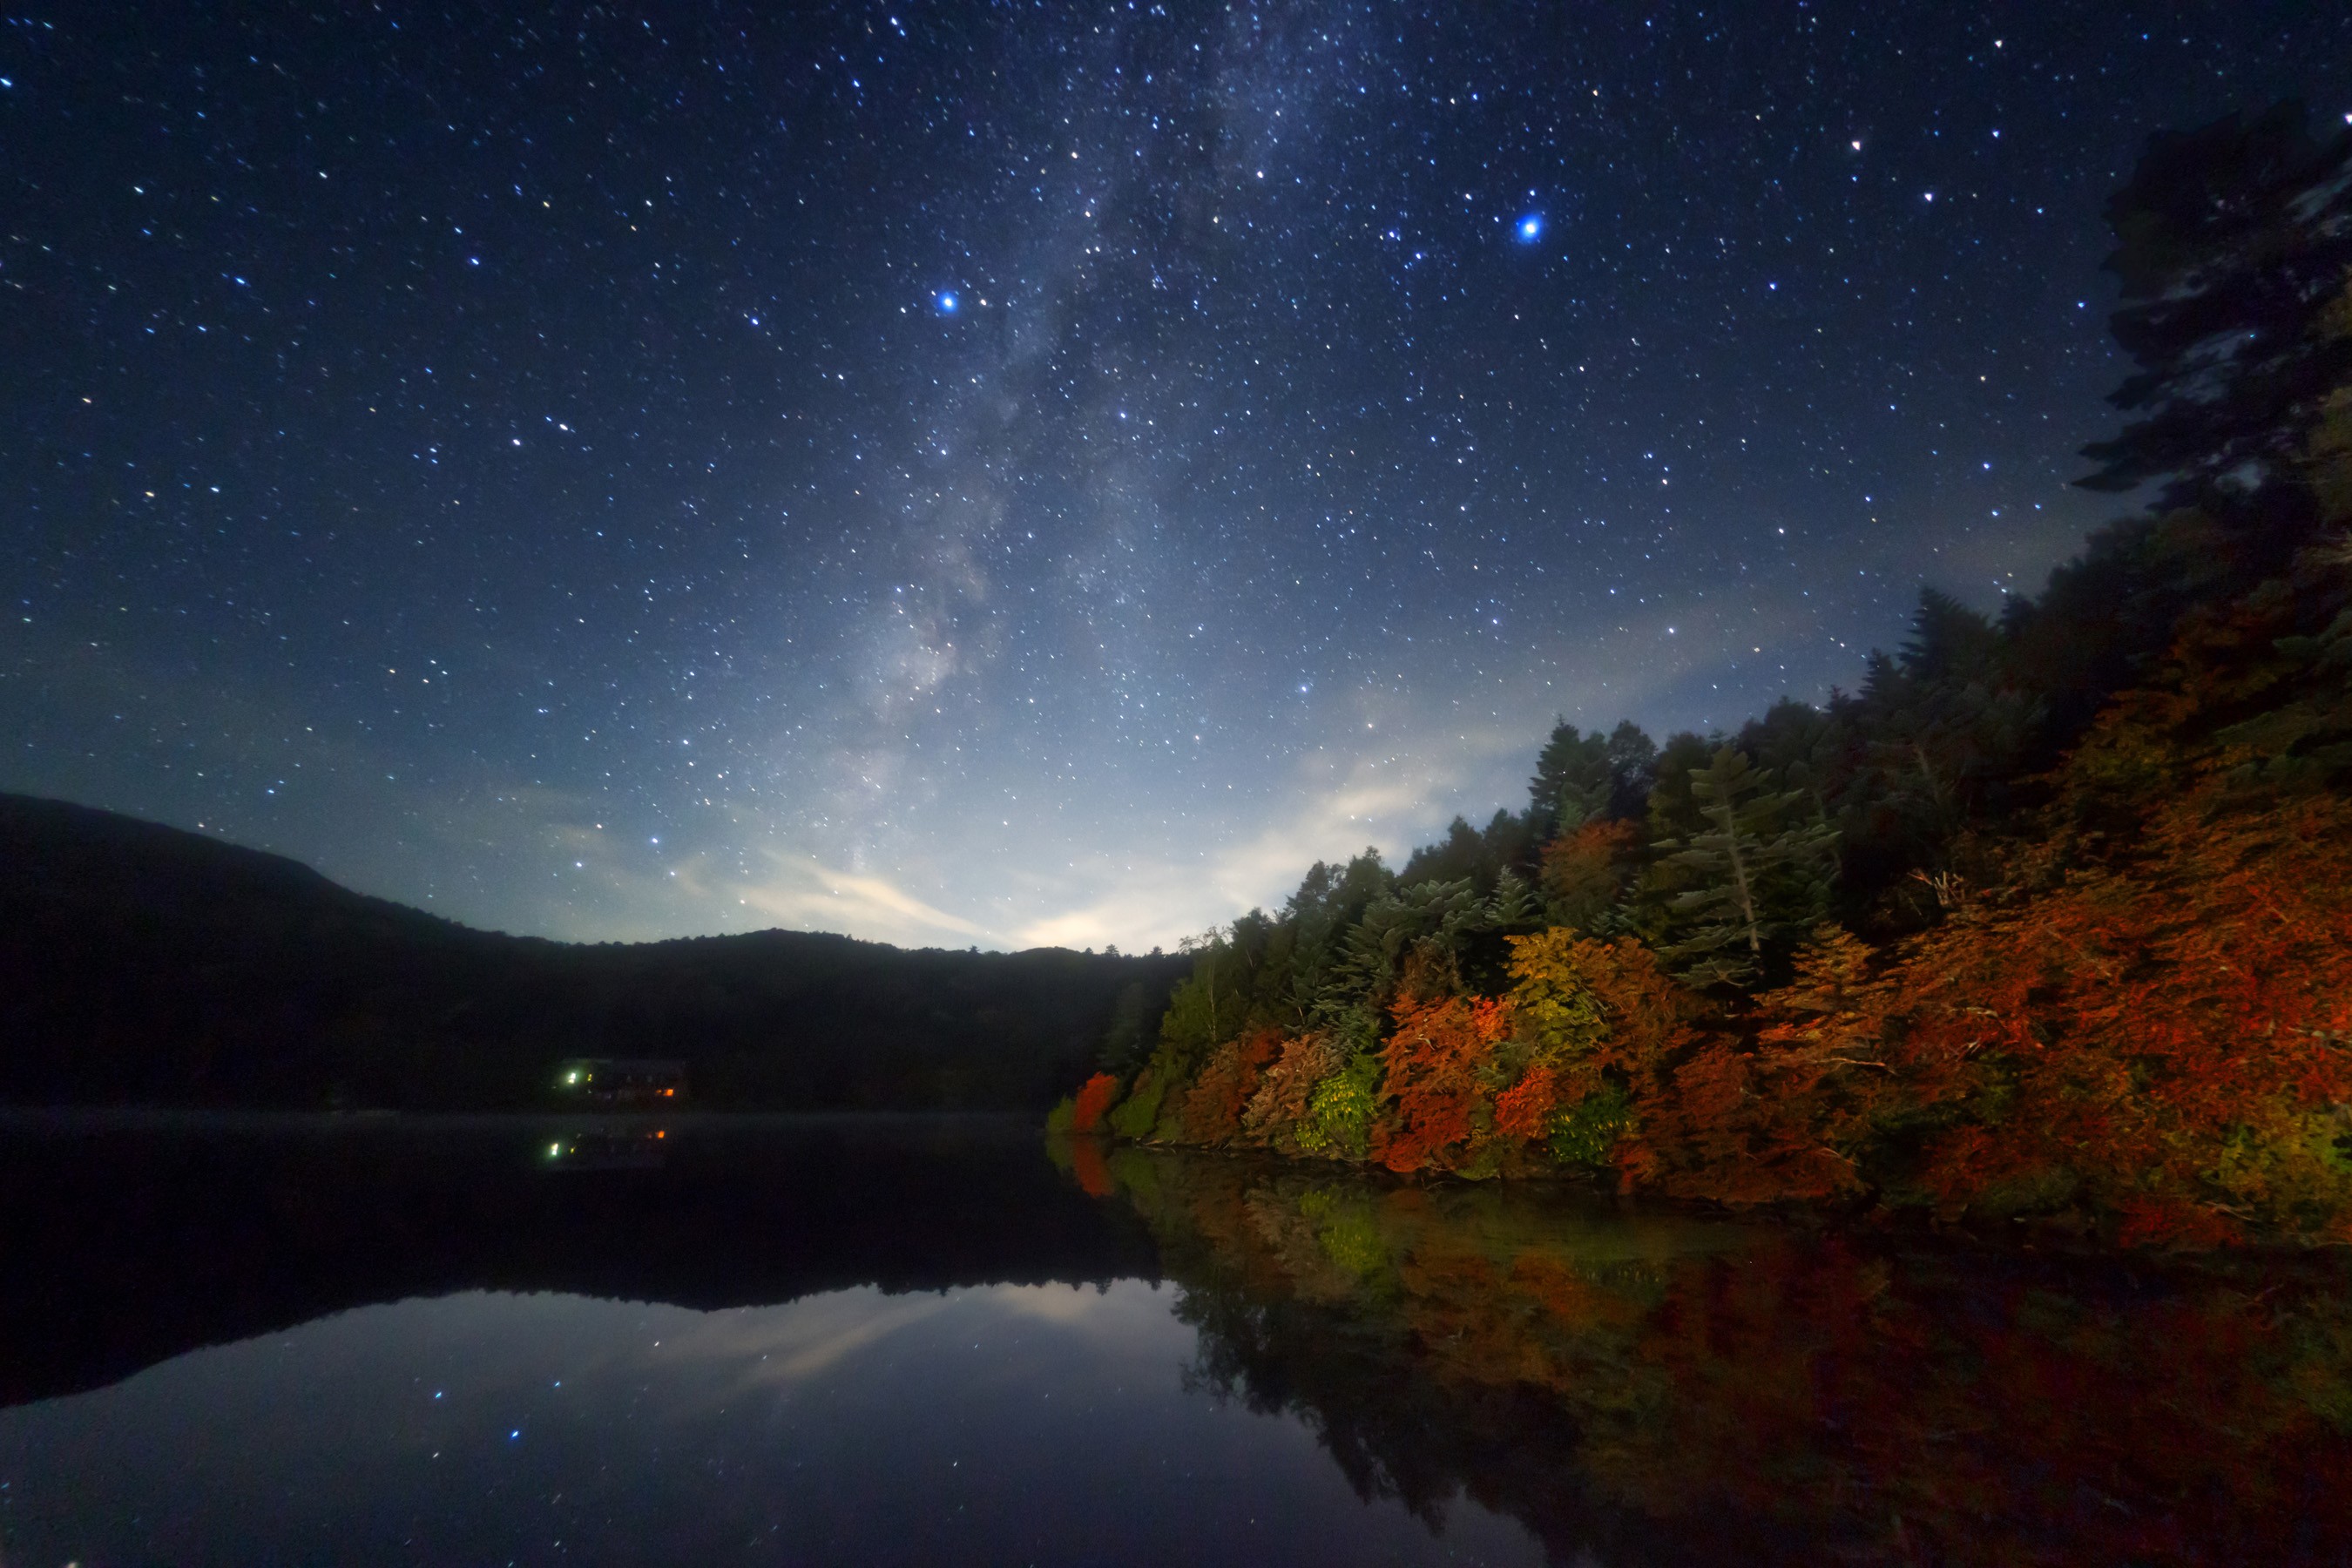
876,1339
1007,1423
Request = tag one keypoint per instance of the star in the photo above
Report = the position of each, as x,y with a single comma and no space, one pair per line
1278,409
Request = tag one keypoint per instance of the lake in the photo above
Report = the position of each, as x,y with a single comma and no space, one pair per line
923,1340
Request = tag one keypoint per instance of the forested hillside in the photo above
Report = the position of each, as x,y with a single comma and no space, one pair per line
2051,916
141,964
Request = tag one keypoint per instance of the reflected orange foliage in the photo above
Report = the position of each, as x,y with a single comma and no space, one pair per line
1720,1393
1091,1169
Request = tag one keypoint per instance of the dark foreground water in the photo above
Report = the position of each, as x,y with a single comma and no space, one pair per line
798,1340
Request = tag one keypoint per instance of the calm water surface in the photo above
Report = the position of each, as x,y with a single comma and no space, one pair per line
900,1340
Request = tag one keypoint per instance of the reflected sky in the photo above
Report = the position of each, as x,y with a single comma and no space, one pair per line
1626,1386
1003,1423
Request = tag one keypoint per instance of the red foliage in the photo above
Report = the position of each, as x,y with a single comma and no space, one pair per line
1095,1098
1524,1109
1091,1169
1213,1106
1780,1115
2170,1034
1585,869
1788,1397
1431,1063
1645,1026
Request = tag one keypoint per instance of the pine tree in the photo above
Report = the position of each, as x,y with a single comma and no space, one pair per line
2232,239
1579,777
1763,866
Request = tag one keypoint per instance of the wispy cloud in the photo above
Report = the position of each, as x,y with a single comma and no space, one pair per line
800,892
1337,808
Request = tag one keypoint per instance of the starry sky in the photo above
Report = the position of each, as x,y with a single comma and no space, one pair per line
1005,475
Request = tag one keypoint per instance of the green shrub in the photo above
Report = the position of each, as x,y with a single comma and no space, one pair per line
1135,1116
1583,1133
1338,1121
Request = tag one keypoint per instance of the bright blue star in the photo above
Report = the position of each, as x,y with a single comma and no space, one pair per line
947,303
1530,229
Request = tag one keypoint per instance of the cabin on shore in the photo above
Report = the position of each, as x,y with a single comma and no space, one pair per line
621,1080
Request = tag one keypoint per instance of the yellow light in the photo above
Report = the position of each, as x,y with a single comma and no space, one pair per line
554,1149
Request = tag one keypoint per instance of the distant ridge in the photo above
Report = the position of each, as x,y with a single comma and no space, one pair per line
143,964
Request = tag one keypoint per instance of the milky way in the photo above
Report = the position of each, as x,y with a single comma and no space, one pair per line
1008,475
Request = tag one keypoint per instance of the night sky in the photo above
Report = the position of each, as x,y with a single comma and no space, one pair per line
967,475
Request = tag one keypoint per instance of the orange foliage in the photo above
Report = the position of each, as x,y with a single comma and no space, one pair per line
1584,870
1282,1095
1600,1010
1214,1105
1094,1099
1524,1109
2174,1035
2166,1039
1431,1063
2151,1023
1783,1116
1091,1169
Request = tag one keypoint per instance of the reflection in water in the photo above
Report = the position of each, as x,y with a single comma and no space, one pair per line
436,1343
987,1424
445,1350
1655,1391
602,1148
127,1238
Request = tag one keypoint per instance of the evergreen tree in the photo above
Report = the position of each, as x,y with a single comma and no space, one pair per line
1454,857
1513,906
2232,239
1330,900
1128,1040
1421,927
1762,867
2327,466
1579,777
1479,857
1632,770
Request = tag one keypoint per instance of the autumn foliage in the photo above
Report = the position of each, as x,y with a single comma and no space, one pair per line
1094,1097
1432,1063
1090,1169
1214,1105
2050,923
2141,1018
2172,1039
1721,1393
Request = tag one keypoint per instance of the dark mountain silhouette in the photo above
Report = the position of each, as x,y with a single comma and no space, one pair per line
140,964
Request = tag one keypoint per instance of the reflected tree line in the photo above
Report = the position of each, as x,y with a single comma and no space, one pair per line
1662,1390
